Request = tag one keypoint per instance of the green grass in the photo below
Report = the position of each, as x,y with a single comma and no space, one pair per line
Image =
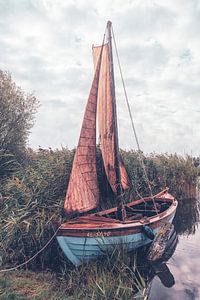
32,209
111,278
34,195
24,285
114,276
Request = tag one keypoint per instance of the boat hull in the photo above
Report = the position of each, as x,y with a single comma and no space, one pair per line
83,249
82,241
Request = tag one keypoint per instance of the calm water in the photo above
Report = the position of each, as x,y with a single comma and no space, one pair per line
180,277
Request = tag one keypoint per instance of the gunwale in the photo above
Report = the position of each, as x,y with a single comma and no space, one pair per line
91,224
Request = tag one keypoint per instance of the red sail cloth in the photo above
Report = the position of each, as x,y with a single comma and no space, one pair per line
83,193
107,130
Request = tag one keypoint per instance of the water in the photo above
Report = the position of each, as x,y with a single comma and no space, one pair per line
181,279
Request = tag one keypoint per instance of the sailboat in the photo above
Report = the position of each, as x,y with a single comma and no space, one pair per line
88,234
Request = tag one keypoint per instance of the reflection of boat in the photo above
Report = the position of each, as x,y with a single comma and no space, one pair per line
86,237
148,270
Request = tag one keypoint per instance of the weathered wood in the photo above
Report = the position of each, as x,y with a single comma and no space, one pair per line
160,243
135,217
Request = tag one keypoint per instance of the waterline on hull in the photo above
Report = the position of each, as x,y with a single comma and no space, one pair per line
83,249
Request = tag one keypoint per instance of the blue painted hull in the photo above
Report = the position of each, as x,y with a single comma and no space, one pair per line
83,249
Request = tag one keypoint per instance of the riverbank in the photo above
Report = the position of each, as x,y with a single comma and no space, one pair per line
24,285
31,209
118,277
94,281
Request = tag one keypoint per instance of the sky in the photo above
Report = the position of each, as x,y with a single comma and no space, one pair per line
46,45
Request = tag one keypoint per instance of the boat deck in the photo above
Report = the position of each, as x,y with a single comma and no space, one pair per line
138,213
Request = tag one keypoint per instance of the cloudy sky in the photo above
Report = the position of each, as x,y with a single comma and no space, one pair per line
46,45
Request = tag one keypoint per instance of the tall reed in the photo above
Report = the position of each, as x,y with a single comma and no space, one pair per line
32,197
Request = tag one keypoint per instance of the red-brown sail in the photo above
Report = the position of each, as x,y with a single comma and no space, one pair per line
82,193
106,123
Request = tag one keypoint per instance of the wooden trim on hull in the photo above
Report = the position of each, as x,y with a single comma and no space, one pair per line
110,232
164,195
99,226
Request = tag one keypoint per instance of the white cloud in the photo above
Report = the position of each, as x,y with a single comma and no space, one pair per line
47,47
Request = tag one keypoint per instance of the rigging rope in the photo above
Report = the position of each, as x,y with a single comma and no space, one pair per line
33,257
132,124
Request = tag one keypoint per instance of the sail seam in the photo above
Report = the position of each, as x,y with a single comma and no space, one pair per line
87,163
86,137
88,198
88,119
83,155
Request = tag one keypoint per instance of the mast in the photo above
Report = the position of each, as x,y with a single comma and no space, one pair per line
116,141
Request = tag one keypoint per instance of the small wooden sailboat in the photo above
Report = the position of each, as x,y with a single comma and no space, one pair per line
88,236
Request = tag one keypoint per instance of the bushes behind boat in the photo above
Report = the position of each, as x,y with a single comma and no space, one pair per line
32,197
31,209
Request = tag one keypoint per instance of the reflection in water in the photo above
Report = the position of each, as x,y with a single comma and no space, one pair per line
183,283
165,275
187,216
170,278
185,264
147,270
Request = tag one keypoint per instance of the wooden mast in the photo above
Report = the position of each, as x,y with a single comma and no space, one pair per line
116,141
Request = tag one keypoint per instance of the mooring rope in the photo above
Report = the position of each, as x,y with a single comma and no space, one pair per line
133,125
33,257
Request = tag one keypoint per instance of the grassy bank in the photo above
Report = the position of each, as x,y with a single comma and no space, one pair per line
28,285
116,277
39,286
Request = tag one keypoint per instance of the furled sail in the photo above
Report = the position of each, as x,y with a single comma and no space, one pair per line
82,193
107,130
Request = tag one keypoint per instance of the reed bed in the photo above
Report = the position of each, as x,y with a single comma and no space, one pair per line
33,192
